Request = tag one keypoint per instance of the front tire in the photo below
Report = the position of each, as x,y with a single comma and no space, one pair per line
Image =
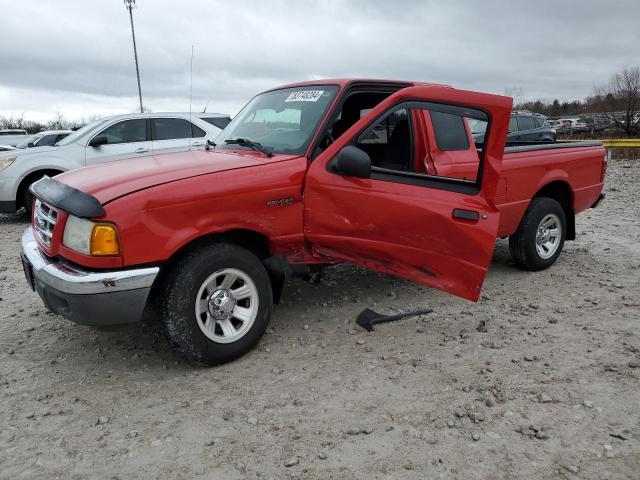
215,303
540,237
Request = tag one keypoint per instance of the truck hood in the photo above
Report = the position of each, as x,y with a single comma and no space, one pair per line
112,180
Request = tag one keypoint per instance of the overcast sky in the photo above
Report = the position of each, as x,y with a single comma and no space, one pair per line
76,56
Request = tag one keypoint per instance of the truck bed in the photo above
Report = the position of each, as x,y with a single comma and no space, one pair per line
575,168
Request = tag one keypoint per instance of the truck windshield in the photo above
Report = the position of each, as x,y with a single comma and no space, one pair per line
282,121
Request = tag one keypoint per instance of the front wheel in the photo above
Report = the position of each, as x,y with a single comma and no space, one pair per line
539,239
215,303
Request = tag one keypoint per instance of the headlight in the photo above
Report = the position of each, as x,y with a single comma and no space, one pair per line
5,162
90,238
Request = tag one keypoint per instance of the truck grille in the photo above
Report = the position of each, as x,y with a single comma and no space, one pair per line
44,221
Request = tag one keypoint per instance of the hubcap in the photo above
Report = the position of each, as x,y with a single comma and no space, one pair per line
548,236
226,305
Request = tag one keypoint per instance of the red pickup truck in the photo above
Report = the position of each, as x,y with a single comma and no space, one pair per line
381,174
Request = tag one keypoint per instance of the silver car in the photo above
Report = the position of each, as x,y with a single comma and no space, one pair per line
105,140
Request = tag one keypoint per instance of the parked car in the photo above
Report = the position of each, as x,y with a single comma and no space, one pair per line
595,123
12,136
524,127
105,140
45,138
380,174
574,125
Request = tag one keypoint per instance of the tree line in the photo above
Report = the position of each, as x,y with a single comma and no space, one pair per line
618,101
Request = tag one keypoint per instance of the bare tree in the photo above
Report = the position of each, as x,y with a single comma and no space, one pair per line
12,122
516,93
58,122
620,100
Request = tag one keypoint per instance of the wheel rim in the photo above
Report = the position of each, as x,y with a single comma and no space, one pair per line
548,236
226,305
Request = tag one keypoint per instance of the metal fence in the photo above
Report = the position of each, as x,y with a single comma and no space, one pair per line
612,144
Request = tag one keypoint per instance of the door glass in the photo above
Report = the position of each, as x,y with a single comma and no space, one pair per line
513,125
197,132
47,140
388,143
129,131
526,123
173,128
425,142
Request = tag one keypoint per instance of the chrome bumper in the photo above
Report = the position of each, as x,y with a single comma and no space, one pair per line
83,296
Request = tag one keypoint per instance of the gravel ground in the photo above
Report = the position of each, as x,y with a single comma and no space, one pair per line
538,380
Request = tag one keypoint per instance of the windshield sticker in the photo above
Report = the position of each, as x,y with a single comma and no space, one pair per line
304,96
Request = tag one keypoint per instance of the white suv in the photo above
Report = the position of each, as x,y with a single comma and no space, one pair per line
105,140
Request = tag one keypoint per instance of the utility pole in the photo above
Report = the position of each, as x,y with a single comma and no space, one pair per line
130,5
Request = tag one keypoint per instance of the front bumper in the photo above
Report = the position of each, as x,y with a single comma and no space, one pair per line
97,298
7,195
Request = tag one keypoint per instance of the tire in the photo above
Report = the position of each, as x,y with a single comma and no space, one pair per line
531,251
194,290
24,195
27,198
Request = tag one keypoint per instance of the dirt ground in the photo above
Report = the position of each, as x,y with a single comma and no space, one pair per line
539,380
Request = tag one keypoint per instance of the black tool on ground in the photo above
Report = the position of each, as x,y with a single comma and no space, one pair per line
368,318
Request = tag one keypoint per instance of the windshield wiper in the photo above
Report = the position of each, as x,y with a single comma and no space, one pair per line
248,143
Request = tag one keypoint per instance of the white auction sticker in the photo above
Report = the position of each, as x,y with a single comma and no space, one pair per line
305,96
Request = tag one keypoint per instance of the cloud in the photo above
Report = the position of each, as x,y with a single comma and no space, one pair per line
76,56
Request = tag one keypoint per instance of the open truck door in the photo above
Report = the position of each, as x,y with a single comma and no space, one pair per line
372,198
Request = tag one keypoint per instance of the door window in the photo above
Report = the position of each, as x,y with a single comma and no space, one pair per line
513,125
526,123
47,140
424,142
61,136
388,143
128,131
173,128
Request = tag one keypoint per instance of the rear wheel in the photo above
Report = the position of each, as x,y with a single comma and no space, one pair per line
216,303
540,237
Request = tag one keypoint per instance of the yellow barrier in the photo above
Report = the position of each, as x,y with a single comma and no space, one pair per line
621,143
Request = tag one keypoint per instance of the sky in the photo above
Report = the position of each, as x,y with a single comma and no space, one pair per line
75,57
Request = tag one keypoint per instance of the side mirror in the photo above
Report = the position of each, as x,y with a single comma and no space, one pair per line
31,145
352,162
98,141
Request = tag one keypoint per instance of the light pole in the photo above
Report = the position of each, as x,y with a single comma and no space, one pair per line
130,5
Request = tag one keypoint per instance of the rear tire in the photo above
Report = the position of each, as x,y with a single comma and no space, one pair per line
540,237
215,303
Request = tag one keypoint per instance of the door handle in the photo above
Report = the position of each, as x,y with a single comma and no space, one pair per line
142,150
197,144
462,214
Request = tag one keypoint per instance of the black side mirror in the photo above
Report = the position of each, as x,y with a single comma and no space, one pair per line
98,141
352,162
31,145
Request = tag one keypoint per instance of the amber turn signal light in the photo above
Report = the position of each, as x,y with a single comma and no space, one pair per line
104,240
